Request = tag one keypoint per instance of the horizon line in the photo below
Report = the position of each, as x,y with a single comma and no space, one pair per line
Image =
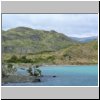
49,30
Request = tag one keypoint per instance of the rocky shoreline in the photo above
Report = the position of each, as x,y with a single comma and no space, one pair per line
20,78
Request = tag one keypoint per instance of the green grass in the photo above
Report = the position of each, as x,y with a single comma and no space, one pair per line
26,45
27,40
77,54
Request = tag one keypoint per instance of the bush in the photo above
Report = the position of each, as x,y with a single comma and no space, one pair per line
51,58
13,59
67,55
38,60
23,59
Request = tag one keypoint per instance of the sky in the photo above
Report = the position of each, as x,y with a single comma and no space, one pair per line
74,25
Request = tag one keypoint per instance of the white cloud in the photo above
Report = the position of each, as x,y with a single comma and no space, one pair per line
78,25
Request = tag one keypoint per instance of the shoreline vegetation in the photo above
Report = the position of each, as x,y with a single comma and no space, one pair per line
27,65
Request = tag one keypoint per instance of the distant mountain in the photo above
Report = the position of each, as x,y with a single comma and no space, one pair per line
86,39
27,40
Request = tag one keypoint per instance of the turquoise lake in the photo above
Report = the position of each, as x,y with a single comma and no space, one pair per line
72,75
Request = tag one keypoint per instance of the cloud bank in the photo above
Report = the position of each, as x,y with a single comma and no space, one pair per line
75,25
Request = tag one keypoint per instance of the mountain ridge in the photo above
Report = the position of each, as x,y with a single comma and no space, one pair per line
85,39
36,40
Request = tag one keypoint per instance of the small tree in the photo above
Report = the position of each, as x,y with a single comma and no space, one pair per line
13,59
25,60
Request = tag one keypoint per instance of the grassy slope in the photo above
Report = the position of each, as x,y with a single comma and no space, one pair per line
26,40
75,54
47,47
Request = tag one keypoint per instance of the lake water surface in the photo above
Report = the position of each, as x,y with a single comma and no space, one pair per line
75,75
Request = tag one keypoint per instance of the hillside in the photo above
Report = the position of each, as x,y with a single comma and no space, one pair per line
86,53
26,45
77,54
26,40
